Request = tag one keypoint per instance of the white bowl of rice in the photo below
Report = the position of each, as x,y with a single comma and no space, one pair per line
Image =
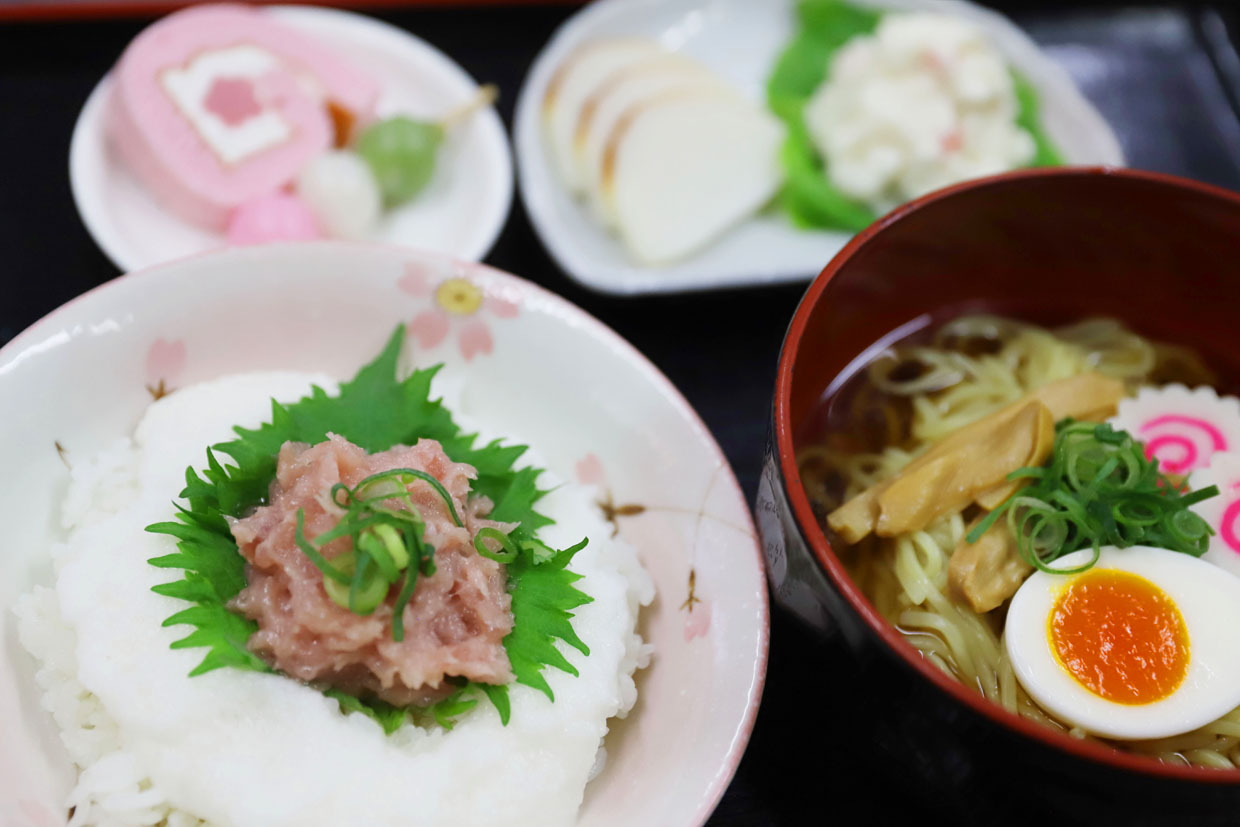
108,399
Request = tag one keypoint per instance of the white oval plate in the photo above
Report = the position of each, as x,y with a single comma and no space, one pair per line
593,407
460,213
741,40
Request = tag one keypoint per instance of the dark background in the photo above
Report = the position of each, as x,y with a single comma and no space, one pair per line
1167,77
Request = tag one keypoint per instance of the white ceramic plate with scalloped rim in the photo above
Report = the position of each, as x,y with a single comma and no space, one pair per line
596,410
460,213
741,40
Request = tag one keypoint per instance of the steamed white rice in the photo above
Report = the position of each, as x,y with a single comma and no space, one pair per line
231,747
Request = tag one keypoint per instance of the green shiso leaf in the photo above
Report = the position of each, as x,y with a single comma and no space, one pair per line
375,410
808,197
545,600
388,717
454,706
498,696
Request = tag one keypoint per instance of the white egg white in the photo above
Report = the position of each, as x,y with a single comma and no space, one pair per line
1209,601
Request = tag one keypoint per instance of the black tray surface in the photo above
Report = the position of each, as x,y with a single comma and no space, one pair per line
1167,77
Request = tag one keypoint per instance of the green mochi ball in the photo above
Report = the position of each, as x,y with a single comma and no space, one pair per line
401,153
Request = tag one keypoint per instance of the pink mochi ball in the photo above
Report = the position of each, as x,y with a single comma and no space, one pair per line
276,217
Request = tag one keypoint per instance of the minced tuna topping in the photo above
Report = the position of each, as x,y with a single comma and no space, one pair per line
455,622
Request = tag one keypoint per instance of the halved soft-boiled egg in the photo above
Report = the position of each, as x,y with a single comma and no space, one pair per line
1142,645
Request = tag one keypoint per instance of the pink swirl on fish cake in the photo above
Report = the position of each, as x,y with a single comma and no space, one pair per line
1221,513
1182,429
1177,450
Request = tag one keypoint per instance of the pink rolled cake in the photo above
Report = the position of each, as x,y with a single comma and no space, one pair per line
216,105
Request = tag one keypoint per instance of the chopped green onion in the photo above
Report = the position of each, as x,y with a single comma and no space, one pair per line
374,548
1097,489
387,543
402,600
320,562
338,593
348,527
366,588
394,543
403,475
1194,497
359,580
508,552
336,489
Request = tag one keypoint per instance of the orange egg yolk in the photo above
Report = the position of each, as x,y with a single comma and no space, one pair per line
1120,636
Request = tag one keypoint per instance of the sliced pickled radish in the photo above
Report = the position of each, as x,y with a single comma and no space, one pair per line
684,168
622,90
574,81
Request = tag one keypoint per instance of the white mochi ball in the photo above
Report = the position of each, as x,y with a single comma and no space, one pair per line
341,190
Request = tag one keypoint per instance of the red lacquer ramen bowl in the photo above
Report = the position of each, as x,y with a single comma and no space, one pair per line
1160,253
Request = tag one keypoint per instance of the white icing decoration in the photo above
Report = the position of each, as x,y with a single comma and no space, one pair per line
189,86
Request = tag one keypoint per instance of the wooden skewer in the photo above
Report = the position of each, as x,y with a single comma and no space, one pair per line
486,96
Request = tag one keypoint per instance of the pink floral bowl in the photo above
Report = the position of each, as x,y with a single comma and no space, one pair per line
596,410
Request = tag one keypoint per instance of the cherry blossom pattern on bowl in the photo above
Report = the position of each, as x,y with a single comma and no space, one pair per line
621,512
459,310
552,375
